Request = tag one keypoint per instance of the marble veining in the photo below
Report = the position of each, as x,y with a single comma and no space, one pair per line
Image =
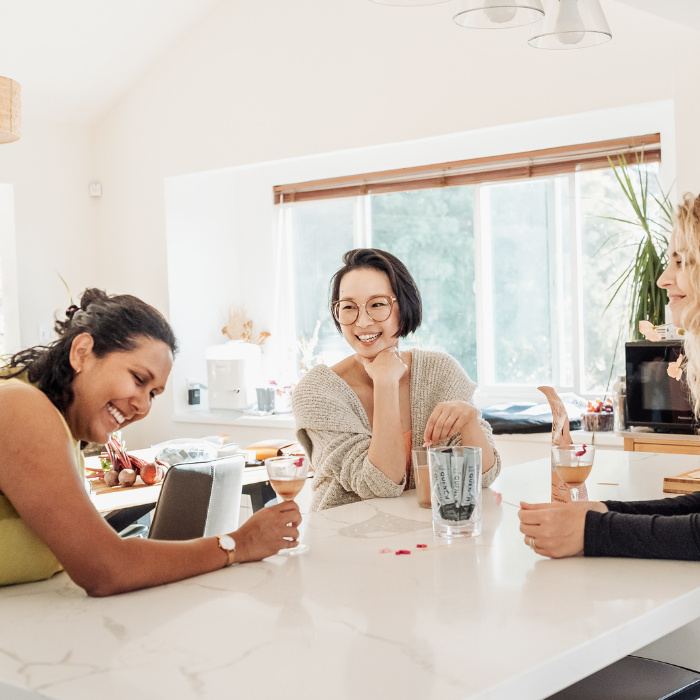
481,619
381,524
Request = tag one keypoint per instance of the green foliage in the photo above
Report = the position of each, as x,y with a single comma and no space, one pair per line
432,233
644,299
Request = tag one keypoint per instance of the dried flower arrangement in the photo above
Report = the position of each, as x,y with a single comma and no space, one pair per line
238,327
306,348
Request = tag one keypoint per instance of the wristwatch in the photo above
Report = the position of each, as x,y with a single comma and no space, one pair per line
227,544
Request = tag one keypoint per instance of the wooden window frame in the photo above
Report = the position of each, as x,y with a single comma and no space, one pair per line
514,166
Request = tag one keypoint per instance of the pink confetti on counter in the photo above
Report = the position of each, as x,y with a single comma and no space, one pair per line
403,551
386,550
422,546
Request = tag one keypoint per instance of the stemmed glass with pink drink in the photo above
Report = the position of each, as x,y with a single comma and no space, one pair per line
573,464
287,475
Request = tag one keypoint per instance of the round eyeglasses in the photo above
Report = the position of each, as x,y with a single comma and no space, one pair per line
378,308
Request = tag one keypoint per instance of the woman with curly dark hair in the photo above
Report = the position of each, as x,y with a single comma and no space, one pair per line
112,358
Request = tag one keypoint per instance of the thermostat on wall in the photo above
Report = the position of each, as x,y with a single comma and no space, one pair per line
95,189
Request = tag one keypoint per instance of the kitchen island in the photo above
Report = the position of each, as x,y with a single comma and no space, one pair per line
479,619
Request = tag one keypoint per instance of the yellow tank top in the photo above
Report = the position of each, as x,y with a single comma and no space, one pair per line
23,556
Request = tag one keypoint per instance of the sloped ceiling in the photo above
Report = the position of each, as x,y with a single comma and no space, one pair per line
74,58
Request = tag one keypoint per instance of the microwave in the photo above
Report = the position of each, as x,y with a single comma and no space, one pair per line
655,400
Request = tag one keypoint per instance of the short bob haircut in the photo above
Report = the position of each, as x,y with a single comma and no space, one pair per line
402,285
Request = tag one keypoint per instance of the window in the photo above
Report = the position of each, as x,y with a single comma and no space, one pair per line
320,235
515,276
432,233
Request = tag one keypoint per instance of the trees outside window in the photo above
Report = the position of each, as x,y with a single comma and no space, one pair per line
515,276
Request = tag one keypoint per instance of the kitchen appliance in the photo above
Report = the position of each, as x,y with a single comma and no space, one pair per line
654,399
233,370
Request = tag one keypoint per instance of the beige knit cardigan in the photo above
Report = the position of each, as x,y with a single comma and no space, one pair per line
333,428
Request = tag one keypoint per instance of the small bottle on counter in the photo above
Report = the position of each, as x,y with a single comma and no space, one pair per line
619,394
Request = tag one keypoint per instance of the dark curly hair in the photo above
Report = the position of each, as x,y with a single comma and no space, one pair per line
402,284
116,323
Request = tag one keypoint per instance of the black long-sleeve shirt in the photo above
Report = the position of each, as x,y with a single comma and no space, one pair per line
665,529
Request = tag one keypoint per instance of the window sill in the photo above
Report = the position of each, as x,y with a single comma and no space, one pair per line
578,436
284,420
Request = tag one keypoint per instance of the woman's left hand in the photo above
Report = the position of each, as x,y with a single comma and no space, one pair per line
448,419
556,529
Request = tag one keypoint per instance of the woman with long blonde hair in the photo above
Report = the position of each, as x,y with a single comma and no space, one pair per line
668,528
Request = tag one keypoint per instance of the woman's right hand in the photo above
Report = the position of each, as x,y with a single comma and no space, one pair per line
387,367
262,535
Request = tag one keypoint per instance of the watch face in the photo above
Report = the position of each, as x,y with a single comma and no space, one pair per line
227,542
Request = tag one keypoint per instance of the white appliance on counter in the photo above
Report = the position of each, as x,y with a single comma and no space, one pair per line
234,370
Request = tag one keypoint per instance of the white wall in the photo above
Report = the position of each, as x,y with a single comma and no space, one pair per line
214,260
49,169
264,81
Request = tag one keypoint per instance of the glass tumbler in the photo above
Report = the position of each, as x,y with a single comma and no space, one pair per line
421,475
455,479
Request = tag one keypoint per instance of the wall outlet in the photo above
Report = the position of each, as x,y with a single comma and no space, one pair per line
194,396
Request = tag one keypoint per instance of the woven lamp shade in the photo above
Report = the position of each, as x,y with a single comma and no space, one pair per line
10,110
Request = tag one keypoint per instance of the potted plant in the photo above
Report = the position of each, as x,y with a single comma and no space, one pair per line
645,301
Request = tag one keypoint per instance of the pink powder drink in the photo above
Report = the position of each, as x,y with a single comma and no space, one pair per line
560,438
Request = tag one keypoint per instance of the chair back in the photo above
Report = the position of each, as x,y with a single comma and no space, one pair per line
199,499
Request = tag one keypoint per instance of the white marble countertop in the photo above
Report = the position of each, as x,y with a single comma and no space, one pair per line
484,619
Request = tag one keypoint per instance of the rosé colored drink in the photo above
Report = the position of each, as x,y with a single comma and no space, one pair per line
287,488
574,477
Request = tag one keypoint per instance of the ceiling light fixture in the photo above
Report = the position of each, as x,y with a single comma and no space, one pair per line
498,14
571,24
10,110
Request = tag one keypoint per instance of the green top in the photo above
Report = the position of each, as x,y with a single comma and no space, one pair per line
23,556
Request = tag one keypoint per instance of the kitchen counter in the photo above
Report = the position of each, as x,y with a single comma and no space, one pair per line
484,619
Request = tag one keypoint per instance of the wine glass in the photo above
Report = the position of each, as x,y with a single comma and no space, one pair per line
573,464
287,477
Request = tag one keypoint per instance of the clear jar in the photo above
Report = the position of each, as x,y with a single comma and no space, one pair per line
619,394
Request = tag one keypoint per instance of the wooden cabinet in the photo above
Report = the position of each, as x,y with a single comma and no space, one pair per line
662,443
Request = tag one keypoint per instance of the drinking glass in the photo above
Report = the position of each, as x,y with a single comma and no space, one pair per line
287,477
421,475
573,464
455,478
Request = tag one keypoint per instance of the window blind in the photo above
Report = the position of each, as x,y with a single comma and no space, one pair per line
514,166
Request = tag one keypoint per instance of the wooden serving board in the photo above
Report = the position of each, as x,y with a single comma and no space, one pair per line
687,482
107,499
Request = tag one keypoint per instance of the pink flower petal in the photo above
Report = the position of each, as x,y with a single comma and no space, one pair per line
648,331
403,551
386,550
422,546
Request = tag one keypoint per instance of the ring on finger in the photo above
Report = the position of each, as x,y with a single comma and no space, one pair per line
532,544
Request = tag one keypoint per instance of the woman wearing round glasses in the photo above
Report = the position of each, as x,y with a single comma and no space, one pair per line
359,419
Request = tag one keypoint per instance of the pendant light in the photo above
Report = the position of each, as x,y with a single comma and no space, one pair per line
498,14
409,3
10,110
571,24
